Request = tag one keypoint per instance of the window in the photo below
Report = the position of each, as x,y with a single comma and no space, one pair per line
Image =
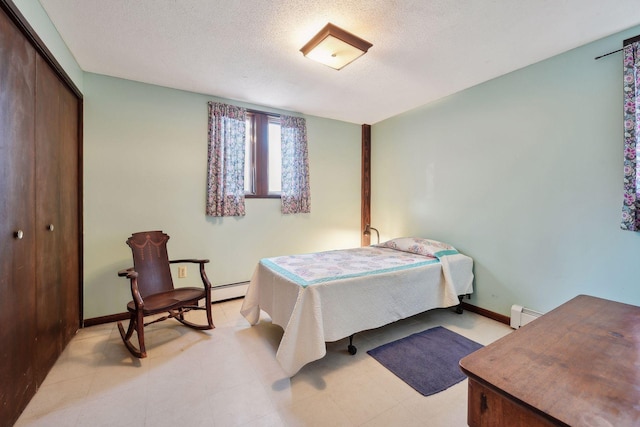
263,158
255,154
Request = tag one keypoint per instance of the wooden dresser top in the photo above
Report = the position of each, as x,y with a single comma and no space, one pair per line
578,364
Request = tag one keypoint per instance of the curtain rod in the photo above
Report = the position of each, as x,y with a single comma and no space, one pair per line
625,43
251,110
607,54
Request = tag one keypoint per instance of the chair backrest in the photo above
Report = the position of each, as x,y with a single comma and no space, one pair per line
151,261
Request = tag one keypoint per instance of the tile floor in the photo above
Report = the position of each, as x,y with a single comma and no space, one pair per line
229,377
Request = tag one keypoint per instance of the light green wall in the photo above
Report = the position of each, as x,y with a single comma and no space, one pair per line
39,21
524,174
145,163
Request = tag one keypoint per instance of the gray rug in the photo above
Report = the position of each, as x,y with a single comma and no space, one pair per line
428,360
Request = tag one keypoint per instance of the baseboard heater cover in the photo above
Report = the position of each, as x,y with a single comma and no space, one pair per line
229,291
520,316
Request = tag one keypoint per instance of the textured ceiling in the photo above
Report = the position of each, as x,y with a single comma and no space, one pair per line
248,50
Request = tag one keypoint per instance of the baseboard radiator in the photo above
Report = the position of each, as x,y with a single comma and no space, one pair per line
520,316
230,291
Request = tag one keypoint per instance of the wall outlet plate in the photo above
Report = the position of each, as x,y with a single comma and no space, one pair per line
182,272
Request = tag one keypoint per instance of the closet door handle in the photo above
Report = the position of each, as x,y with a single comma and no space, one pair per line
50,227
18,234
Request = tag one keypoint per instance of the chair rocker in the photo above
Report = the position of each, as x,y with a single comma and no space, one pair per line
153,291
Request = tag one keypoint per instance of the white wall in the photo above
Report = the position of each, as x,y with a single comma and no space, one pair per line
145,163
524,174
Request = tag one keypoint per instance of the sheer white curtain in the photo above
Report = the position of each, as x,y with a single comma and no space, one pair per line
225,176
631,203
295,196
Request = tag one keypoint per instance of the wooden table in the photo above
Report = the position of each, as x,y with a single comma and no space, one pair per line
578,365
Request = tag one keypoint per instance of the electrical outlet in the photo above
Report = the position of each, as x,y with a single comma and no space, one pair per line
182,272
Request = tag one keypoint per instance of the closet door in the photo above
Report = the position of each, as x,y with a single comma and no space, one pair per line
69,249
48,216
17,228
57,248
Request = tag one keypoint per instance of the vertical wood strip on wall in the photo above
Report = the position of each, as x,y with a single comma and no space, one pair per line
366,184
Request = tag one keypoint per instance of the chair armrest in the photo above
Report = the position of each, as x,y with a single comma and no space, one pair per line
132,275
195,261
129,273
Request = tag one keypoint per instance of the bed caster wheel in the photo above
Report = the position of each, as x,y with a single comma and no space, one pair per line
352,349
459,310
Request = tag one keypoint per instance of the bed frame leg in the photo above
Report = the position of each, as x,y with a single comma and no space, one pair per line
459,306
351,348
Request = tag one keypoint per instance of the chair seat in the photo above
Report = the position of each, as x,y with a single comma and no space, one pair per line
168,300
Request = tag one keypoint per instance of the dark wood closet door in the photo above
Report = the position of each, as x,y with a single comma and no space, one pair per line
17,203
69,250
48,215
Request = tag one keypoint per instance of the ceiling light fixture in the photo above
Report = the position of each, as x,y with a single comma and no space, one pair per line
335,47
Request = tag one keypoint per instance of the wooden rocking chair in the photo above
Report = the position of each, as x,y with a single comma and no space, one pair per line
153,291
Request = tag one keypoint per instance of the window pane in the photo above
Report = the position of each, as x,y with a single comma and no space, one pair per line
275,157
248,157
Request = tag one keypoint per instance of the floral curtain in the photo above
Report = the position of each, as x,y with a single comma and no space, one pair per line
295,196
631,204
225,175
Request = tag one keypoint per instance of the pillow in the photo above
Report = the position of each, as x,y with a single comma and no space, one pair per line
419,246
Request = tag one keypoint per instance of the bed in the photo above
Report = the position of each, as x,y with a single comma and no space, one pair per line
327,296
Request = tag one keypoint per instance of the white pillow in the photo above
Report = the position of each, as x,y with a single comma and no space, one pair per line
419,246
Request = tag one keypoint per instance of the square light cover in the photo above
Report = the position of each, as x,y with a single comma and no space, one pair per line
334,52
335,47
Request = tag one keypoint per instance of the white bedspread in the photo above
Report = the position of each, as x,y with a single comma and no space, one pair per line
327,296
